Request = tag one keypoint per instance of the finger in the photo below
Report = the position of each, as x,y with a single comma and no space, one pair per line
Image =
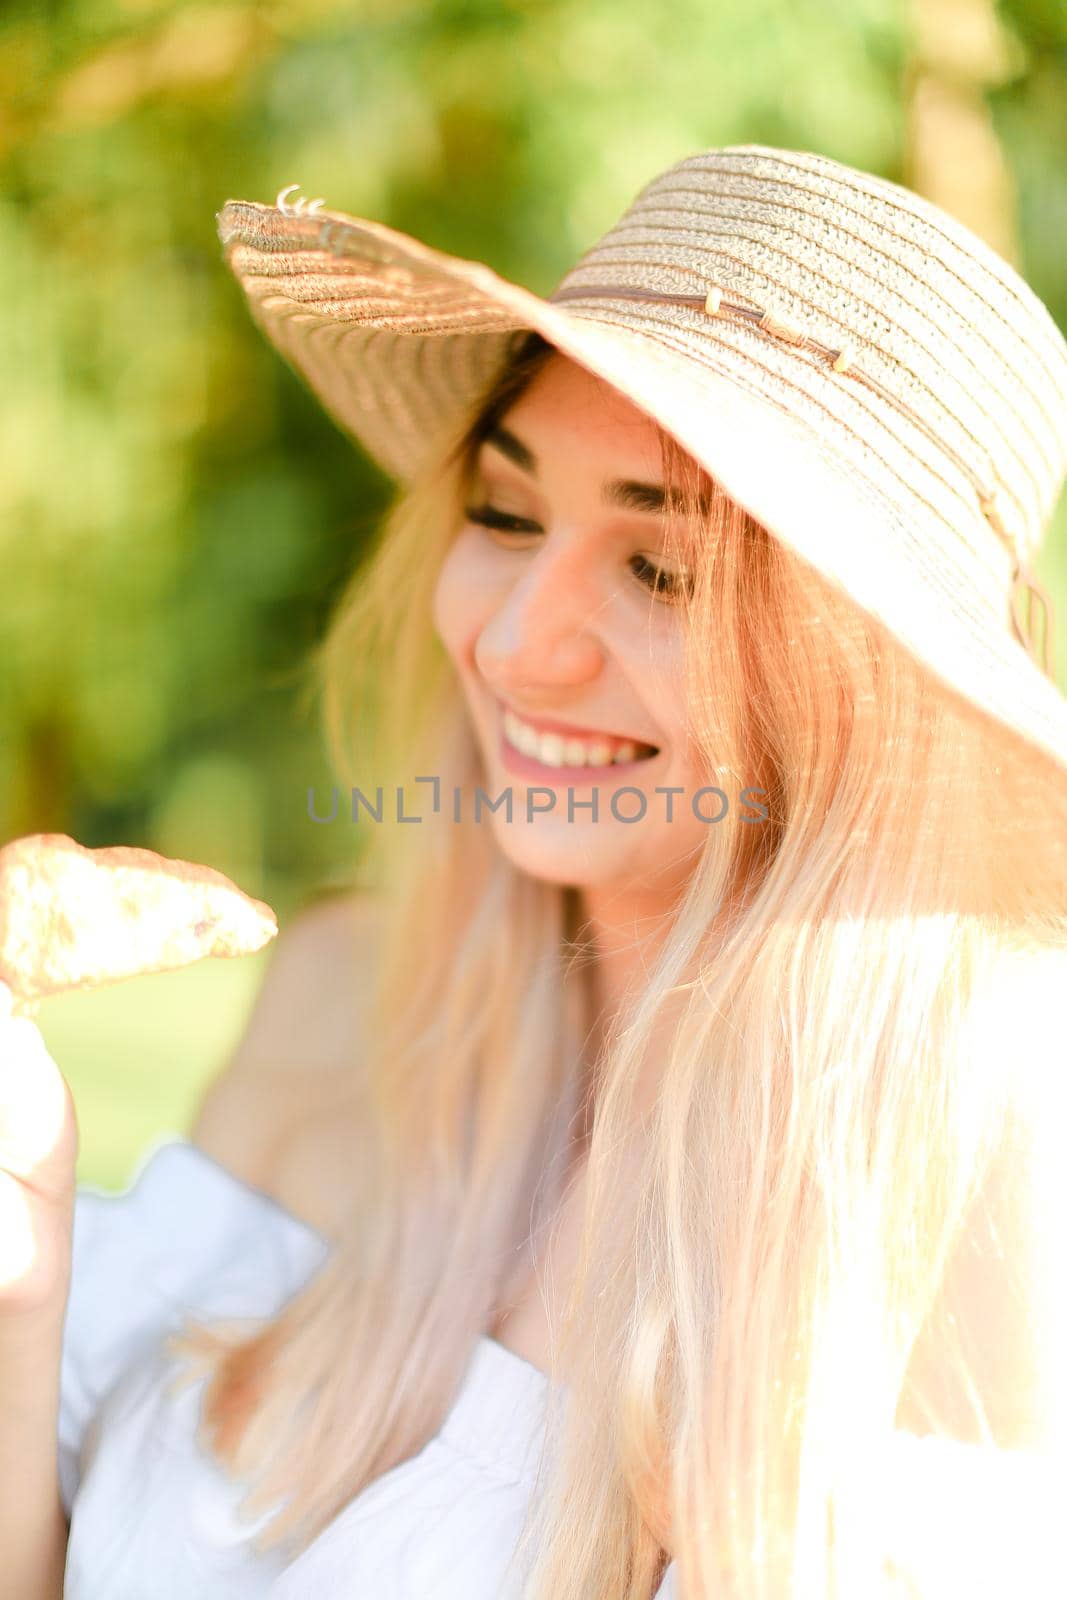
33,1102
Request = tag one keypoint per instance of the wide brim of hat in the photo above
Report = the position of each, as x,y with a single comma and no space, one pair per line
398,340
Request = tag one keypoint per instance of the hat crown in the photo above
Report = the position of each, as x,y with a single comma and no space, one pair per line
751,300
951,357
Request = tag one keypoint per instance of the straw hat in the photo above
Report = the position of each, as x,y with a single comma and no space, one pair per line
861,372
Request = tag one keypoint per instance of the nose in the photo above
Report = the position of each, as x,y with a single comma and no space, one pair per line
544,630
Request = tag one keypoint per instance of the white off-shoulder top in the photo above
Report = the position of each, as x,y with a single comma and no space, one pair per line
152,1517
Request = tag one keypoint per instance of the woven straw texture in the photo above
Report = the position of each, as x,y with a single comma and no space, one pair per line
868,378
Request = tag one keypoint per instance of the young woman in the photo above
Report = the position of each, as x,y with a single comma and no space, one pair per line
660,1197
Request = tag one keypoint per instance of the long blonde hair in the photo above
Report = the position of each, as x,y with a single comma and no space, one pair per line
830,1093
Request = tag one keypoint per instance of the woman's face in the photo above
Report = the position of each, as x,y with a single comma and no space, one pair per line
555,623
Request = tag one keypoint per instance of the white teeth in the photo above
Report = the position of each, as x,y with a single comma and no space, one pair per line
550,749
524,738
556,751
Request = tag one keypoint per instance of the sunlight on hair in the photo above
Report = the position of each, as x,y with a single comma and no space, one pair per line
763,1318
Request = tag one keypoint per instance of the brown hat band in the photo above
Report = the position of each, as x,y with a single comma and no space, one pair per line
1038,641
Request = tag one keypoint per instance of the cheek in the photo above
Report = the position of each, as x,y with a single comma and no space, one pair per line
660,669
460,599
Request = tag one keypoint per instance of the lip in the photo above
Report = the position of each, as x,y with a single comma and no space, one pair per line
568,729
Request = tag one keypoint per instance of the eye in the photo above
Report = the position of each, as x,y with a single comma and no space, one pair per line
668,585
501,521
665,585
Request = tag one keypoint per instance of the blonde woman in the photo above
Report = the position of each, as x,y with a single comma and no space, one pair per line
646,1181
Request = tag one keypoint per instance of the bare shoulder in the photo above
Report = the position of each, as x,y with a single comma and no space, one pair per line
308,1008
280,1112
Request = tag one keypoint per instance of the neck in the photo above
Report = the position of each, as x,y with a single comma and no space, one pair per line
623,937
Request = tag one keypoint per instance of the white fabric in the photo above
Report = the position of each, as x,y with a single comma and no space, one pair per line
153,1517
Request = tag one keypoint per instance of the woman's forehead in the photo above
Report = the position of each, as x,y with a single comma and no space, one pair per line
566,416
562,392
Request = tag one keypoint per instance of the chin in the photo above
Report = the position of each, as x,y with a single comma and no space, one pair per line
568,862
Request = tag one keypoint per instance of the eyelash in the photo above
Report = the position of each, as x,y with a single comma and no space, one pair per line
665,585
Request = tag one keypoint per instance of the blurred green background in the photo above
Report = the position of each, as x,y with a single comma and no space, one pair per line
177,513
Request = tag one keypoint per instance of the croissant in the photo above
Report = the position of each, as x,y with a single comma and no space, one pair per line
73,918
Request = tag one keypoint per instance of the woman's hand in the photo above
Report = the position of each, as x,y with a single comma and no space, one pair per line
38,1152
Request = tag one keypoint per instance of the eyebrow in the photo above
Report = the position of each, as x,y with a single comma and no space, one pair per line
626,493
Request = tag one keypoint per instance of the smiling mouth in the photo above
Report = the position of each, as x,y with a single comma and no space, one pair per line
644,754
562,754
